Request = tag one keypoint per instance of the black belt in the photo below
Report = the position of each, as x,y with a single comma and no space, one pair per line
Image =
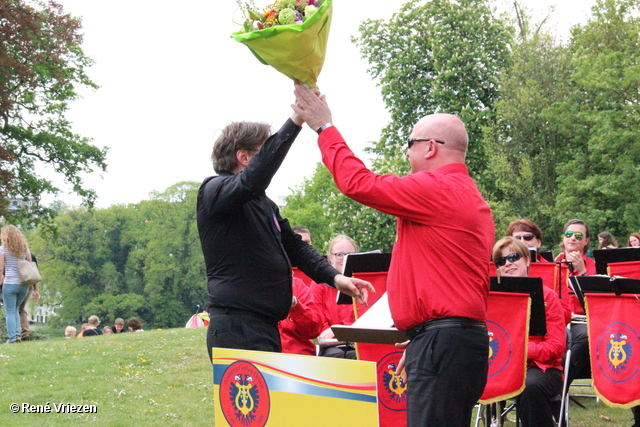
445,322
239,312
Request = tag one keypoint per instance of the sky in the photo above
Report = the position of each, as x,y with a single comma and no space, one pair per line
171,78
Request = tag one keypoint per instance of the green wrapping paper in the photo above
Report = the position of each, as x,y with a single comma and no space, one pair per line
296,50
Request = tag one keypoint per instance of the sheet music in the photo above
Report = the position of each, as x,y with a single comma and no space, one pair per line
378,316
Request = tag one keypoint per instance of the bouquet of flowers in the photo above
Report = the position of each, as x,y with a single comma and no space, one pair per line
290,35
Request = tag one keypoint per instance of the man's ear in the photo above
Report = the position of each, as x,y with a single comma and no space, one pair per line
432,150
242,156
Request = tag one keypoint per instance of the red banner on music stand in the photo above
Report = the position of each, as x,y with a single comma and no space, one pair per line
392,391
508,327
614,344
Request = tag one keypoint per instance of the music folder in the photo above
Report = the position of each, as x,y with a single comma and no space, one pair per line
605,284
526,285
366,262
605,256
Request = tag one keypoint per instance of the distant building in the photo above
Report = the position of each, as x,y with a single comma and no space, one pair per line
19,203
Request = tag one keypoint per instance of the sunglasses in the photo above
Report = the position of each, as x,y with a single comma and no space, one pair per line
576,234
414,140
511,258
526,237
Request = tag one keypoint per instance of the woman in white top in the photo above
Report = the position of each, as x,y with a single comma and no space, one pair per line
14,247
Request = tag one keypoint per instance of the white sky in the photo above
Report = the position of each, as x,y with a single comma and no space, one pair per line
171,77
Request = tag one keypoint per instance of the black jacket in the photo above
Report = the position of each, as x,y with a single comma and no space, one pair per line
248,247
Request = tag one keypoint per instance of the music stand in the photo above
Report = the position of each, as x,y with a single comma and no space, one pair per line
605,284
605,256
526,285
370,262
546,254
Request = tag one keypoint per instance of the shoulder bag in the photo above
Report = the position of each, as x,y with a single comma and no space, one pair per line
28,271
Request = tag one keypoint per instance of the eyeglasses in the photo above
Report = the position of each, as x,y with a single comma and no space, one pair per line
511,258
341,255
414,140
576,234
526,237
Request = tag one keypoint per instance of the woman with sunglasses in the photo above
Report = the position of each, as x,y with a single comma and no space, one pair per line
544,355
575,241
527,232
325,297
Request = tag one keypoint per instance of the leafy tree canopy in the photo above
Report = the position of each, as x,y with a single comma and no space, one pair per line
41,67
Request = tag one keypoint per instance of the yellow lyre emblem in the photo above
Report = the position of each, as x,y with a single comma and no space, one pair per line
395,384
617,354
244,400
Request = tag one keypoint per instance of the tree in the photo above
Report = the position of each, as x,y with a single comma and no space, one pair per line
526,143
435,56
41,66
599,180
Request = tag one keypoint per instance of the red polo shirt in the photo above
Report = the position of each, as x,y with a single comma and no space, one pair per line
445,234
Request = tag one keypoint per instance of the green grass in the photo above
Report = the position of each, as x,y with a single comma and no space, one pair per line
595,414
154,378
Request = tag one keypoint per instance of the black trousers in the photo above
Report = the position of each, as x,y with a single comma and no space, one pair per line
242,330
580,363
535,403
447,372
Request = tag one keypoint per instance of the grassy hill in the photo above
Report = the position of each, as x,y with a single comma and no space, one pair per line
154,378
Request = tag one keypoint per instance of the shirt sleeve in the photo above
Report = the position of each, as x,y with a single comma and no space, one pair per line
227,193
411,197
554,344
306,314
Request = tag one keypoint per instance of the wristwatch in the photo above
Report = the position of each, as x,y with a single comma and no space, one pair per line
323,127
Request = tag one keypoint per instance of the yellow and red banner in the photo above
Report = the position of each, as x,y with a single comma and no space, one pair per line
614,345
508,327
255,389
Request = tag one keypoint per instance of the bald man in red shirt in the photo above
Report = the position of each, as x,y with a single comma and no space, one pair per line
438,280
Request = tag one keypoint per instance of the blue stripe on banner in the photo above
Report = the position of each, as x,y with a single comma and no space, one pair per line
292,385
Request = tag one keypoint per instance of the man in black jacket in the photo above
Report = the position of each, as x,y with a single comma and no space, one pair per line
248,247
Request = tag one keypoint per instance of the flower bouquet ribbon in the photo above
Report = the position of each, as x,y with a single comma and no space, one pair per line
296,50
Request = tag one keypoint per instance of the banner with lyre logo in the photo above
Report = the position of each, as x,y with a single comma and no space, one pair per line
614,344
257,389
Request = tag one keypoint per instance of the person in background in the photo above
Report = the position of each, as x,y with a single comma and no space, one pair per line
118,326
107,330
634,241
544,354
303,232
22,310
134,325
83,328
528,232
332,313
606,241
93,329
14,247
70,332
575,242
304,321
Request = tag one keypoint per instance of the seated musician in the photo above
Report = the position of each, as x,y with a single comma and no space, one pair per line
544,357
303,323
325,297
575,242
527,232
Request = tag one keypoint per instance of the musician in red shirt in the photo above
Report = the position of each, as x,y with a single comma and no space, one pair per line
438,283
303,323
544,357
575,242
